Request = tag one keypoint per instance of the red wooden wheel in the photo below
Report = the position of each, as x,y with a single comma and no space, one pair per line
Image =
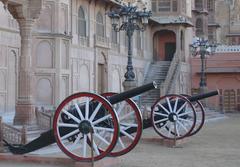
173,117
200,116
76,116
130,122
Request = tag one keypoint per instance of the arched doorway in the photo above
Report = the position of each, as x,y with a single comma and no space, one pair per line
164,45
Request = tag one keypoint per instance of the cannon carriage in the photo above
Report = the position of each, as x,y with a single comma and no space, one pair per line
89,127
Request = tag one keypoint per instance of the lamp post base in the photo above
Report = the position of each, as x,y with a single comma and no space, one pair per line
129,85
204,89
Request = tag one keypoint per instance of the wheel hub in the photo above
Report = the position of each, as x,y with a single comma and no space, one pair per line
172,117
85,127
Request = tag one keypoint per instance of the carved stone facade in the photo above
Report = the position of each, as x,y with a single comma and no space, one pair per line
44,58
54,48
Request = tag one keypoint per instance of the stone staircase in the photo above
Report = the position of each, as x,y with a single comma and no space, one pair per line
157,72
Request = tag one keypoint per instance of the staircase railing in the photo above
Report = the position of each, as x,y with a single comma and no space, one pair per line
164,87
12,134
44,118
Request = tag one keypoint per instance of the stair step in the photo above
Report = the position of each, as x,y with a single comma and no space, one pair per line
157,72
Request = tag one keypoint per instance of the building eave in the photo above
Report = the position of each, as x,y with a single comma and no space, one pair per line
214,25
172,20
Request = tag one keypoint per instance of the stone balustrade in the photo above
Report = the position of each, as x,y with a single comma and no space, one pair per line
12,134
228,49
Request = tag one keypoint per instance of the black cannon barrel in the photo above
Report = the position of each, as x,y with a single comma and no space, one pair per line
131,93
203,96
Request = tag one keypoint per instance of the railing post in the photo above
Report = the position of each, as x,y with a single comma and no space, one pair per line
24,135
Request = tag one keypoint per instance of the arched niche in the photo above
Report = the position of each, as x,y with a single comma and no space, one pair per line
44,55
12,80
44,92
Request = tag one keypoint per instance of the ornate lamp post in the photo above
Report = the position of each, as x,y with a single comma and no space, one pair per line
200,46
131,19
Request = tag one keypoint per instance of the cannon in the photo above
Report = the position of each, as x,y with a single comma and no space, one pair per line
84,113
175,117
89,127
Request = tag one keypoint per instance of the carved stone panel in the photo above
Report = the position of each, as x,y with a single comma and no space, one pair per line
63,19
45,22
64,54
44,54
64,87
3,56
44,91
84,80
2,90
2,102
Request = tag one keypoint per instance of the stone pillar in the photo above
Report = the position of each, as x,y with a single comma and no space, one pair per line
25,109
25,12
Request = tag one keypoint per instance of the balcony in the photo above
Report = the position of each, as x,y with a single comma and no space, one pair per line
100,41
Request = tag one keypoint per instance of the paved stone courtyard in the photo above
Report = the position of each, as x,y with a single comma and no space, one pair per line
216,145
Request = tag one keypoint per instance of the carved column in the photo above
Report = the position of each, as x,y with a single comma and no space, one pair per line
25,13
25,112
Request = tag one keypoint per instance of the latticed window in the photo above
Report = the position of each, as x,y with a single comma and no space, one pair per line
164,5
99,25
81,22
210,5
199,4
199,27
154,6
174,5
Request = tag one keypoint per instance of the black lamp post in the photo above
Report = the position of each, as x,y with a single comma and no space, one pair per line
131,19
200,46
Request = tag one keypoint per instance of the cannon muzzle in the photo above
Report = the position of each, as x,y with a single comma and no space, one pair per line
203,96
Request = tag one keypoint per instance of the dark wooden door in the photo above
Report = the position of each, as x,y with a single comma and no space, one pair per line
170,49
